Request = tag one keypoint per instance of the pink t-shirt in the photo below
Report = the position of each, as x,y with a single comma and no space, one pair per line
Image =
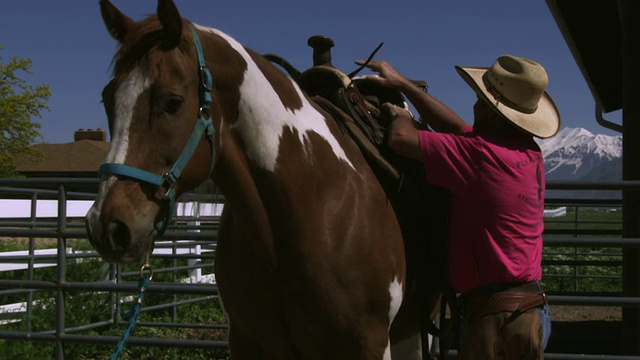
496,219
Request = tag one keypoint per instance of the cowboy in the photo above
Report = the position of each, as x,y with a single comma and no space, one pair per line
495,173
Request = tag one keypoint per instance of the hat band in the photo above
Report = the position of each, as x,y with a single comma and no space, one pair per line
502,99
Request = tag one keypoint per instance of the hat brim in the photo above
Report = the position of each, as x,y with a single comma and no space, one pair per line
543,123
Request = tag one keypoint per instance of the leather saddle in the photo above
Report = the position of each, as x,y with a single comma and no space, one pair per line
355,102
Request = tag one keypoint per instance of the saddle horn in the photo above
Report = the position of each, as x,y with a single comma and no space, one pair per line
321,50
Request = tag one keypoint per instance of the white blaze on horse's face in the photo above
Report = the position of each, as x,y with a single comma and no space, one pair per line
126,97
262,120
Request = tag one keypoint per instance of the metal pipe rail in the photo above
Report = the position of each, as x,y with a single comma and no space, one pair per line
112,340
627,185
187,289
64,229
452,355
592,242
594,300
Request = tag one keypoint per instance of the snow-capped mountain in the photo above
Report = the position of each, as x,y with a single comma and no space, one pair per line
577,154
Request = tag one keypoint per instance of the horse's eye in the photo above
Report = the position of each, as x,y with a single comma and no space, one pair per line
173,104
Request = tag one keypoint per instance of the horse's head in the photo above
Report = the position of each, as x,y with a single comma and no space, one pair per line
157,105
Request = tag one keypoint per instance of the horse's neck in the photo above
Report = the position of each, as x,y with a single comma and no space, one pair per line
263,118
271,104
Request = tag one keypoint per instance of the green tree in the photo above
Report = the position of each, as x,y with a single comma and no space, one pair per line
20,102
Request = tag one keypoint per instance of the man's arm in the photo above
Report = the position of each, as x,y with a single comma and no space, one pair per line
439,116
403,137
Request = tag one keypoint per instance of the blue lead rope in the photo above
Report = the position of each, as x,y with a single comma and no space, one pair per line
132,316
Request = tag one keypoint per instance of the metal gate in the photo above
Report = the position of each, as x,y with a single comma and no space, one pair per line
187,232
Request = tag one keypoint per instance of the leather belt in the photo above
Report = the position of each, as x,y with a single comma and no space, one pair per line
515,298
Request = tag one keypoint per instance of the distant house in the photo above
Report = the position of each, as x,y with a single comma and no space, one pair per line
80,158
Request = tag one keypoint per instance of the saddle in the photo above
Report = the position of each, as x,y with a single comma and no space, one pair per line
355,102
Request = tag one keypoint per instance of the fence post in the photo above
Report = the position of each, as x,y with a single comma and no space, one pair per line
31,263
628,11
576,269
195,274
62,269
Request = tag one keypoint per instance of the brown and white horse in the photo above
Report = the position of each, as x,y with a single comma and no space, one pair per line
310,259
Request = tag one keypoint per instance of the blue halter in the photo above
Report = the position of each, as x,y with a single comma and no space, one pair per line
204,124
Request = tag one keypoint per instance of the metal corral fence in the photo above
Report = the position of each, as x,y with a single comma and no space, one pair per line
187,251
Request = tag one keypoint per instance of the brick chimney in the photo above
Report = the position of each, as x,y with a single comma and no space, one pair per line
90,134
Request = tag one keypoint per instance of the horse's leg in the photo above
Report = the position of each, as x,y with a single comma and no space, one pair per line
241,348
408,349
336,322
371,344
256,331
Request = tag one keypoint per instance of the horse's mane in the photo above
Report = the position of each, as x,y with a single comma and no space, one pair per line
147,35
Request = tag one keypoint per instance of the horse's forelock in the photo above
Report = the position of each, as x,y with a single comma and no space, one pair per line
147,36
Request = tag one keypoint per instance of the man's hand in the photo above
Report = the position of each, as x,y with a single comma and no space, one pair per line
389,77
439,116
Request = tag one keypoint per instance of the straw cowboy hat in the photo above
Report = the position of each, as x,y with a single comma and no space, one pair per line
515,88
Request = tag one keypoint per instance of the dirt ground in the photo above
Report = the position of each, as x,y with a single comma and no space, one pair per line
563,313
586,330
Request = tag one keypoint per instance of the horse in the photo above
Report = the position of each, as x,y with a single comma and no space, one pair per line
310,261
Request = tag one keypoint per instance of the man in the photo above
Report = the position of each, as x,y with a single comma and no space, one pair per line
495,173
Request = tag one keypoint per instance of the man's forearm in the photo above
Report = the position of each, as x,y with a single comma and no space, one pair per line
439,116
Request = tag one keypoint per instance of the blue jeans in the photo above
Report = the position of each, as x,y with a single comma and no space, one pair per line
545,324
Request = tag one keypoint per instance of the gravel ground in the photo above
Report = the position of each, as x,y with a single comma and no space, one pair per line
562,313
586,330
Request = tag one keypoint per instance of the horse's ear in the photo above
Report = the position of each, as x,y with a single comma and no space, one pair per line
117,23
171,21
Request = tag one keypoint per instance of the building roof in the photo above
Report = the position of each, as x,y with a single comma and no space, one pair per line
79,158
593,32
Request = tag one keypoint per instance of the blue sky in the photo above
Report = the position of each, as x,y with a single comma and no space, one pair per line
72,51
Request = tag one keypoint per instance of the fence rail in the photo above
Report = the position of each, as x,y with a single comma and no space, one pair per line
565,239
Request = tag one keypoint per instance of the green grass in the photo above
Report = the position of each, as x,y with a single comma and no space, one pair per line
586,219
20,244
598,269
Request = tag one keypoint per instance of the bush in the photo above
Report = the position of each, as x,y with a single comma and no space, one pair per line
581,269
84,308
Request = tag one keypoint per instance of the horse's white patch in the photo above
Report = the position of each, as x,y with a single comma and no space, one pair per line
396,294
126,97
406,349
387,352
263,117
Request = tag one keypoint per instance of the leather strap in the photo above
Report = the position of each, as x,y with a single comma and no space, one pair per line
516,299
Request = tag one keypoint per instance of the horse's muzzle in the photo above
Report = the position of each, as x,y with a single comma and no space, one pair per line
114,240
